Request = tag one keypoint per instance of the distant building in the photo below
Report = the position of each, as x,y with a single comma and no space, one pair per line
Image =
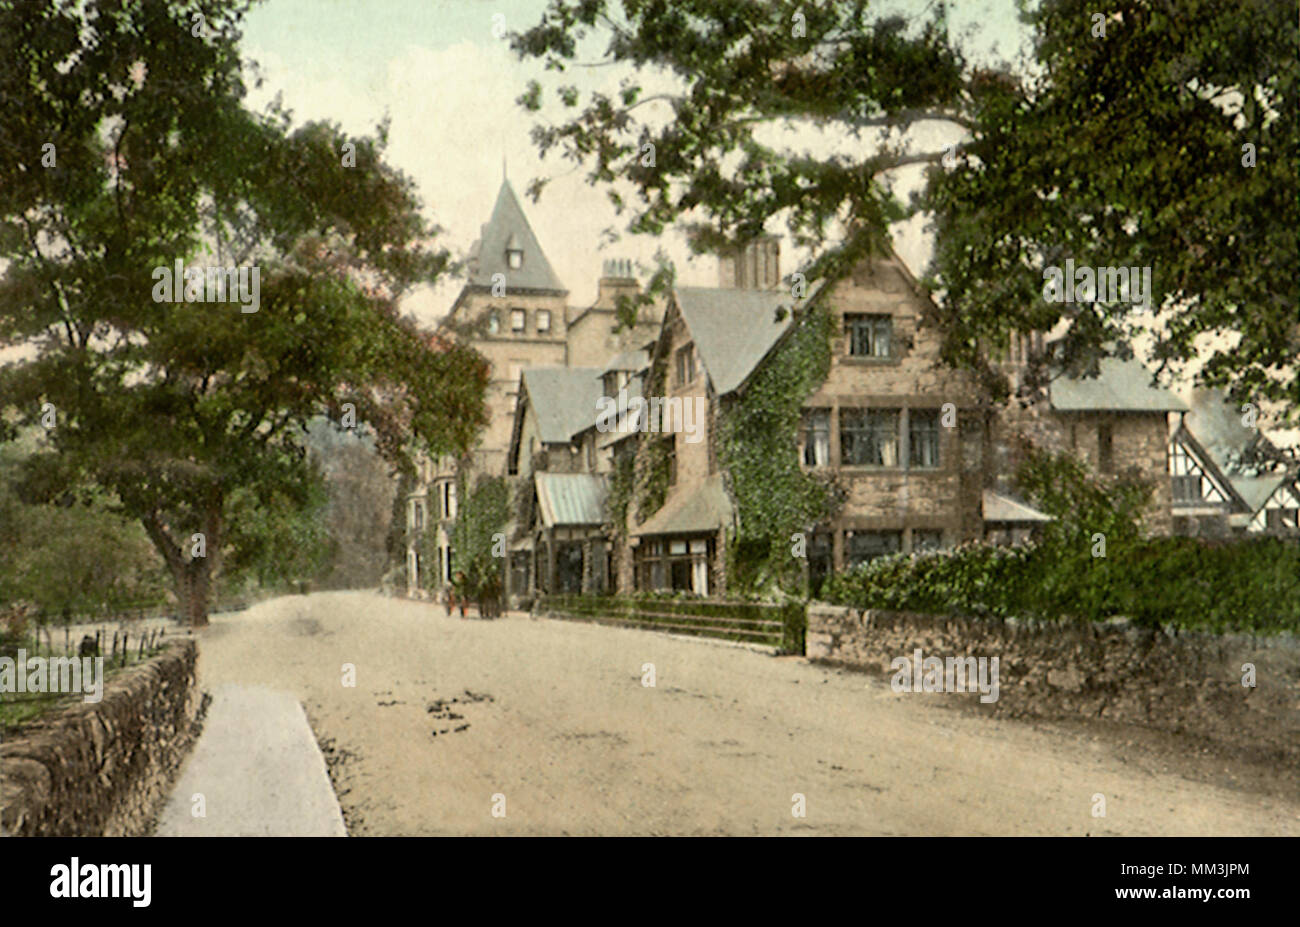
1227,476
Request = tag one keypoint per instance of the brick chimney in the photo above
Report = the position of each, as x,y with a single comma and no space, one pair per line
616,280
757,266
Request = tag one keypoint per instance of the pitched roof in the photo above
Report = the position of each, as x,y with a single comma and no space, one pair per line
1216,423
635,360
733,329
563,399
509,229
571,498
703,508
1120,386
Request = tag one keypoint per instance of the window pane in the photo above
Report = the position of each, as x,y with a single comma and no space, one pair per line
817,437
865,546
927,540
543,320
518,320
869,335
923,438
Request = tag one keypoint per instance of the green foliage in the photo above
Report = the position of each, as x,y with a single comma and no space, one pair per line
171,408
1238,585
759,449
622,481
482,515
1046,177
1122,150
282,540
75,557
1250,585
652,467
652,471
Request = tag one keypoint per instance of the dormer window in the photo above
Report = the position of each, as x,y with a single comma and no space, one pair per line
515,258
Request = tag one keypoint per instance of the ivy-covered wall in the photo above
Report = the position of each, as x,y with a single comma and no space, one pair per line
758,438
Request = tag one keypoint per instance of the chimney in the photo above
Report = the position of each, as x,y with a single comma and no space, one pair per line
616,280
757,266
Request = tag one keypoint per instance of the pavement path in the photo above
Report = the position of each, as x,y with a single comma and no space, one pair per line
256,771
522,726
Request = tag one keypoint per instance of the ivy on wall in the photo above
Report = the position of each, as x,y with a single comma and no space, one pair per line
652,468
480,517
758,441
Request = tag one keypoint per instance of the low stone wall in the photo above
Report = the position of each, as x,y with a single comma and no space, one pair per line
1187,683
103,768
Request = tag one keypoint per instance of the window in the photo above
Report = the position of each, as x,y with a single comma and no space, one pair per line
494,322
816,437
515,258
869,335
869,437
680,565
543,320
923,438
1105,459
926,539
448,500
1187,488
518,320
685,365
418,512
865,546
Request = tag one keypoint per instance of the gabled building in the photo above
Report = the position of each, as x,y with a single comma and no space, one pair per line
1219,483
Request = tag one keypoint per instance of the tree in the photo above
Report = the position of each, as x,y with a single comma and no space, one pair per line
1114,150
126,149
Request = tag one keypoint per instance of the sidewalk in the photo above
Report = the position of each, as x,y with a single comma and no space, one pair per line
259,771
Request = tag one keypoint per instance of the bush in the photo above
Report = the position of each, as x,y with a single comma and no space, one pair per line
1250,585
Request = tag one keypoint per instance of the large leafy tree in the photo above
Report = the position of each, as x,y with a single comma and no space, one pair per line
1117,149
127,146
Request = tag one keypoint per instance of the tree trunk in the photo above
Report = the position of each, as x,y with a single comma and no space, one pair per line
191,576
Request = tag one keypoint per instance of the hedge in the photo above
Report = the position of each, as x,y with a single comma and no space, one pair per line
1250,585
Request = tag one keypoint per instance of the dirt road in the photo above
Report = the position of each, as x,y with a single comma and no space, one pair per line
549,724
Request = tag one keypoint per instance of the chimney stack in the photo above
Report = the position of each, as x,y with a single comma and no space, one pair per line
616,279
757,266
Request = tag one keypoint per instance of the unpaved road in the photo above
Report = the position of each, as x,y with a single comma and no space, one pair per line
554,717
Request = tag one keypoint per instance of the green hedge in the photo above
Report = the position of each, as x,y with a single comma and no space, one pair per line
1250,585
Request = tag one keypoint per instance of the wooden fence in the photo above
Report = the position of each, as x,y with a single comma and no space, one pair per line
778,626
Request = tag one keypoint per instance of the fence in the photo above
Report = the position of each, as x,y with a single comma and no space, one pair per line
779,626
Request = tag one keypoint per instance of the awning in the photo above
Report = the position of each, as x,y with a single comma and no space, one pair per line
571,498
699,510
1000,508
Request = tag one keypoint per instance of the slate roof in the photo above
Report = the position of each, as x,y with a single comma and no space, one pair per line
1216,424
704,508
563,399
509,228
635,361
733,329
571,498
1120,386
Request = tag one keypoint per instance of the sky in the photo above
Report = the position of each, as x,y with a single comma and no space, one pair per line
439,72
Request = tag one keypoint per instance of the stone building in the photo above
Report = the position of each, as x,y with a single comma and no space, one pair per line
514,310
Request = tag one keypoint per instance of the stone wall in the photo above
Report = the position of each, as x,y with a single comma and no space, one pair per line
103,768
1186,683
